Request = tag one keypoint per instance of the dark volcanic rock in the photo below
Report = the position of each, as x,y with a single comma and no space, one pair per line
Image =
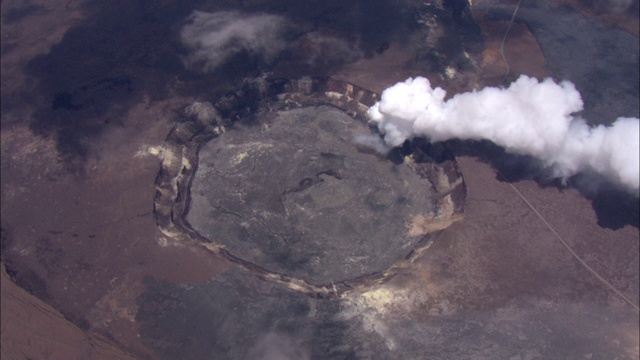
237,316
295,196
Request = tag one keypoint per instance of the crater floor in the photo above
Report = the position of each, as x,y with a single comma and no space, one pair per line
291,192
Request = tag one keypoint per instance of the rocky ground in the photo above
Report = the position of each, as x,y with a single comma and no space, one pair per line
90,91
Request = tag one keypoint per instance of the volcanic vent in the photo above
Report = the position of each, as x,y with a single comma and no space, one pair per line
270,177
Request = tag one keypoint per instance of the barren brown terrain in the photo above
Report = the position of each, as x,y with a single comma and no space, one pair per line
90,91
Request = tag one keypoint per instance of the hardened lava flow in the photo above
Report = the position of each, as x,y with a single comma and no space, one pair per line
274,178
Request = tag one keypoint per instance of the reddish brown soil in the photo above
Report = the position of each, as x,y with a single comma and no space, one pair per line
32,329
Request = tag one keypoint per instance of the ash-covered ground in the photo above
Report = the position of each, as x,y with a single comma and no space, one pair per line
91,89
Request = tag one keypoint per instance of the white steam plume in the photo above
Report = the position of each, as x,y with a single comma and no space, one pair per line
527,118
371,143
213,38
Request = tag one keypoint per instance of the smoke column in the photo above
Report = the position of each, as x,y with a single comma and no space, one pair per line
527,118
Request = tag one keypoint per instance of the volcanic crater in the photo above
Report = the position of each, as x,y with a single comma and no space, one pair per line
270,177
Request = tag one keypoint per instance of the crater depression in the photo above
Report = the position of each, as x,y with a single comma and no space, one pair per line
283,189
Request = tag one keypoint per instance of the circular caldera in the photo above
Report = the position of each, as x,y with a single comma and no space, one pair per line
308,191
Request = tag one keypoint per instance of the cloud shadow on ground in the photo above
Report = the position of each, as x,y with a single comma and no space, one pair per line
125,51
119,53
614,206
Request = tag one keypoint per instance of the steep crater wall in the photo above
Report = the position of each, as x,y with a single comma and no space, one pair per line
270,177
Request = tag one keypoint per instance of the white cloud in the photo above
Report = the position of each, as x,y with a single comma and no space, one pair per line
213,38
527,118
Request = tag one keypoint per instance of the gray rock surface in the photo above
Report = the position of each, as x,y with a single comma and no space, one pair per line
294,195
